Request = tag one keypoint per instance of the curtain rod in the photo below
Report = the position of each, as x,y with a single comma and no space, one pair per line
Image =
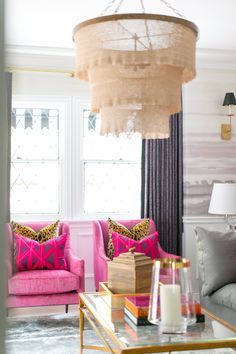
53,71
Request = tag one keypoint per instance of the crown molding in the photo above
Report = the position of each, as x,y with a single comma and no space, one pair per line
39,58
32,57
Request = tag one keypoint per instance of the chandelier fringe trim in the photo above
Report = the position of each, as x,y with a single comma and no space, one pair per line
136,74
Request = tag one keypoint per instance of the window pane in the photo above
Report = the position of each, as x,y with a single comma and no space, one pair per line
98,147
34,187
112,187
35,134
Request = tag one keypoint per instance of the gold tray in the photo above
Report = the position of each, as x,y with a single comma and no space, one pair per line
115,301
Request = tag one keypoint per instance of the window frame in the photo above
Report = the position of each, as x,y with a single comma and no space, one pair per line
64,106
82,103
71,193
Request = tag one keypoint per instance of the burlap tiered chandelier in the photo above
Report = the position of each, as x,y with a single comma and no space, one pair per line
135,64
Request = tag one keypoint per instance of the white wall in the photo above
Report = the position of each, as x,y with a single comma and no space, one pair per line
203,114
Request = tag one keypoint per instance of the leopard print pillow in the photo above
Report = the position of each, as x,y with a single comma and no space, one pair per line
137,232
43,235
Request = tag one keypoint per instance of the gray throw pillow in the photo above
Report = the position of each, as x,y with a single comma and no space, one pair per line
217,259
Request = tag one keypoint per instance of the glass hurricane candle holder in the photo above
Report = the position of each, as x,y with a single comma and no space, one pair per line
172,306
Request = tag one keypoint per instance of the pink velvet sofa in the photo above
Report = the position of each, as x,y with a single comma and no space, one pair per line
100,242
44,287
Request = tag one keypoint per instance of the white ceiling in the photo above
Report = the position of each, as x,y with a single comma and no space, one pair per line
49,23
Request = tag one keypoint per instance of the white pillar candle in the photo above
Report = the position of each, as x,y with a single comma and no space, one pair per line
170,304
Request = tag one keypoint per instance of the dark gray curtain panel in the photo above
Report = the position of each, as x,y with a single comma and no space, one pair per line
162,185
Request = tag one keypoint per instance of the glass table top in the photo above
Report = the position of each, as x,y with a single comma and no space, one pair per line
113,321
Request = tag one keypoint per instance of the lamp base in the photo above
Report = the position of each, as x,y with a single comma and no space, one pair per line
231,223
225,131
232,227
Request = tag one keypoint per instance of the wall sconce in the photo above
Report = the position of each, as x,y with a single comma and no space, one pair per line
226,129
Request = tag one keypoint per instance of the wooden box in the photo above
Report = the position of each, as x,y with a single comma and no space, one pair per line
130,273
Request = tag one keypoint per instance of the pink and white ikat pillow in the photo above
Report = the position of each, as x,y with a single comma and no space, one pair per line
148,245
32,255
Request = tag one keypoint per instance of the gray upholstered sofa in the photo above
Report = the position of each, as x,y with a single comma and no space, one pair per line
217,273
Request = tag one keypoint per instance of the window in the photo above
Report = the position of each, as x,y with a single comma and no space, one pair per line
111,170
35,158
61,166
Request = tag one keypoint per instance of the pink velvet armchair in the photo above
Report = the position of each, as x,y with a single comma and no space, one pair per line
45,287
100,242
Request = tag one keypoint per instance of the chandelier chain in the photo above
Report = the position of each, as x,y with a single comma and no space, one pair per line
172,8
109,5
166,3
146,26
142,6
118,6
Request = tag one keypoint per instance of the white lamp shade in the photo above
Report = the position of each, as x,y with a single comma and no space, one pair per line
223,199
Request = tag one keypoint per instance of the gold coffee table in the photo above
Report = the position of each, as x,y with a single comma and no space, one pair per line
120,337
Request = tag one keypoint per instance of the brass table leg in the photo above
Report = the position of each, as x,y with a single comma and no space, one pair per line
81,328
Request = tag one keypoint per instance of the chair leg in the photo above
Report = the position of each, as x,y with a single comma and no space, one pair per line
7,312
67,306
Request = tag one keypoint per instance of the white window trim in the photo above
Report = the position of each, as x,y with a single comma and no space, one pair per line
81,103
71,152
64,104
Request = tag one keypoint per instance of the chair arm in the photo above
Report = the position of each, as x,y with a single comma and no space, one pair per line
76,264
9,270
163,254
102,254
77,267
100,270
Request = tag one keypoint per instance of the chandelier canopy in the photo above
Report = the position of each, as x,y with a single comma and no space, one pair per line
135,64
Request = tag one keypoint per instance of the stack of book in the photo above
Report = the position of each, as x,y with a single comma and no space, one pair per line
136,310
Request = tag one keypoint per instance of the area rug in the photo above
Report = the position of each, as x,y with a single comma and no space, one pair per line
57,334
53,334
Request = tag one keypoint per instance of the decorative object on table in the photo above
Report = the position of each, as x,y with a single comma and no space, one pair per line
137,321
130,273
171,304
135,64
136,309
226,129
138,305
132,328
223,202
114,300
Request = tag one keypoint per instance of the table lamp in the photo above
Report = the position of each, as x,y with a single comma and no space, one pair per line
223,202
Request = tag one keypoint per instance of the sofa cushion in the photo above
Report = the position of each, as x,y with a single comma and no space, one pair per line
148,245
31,255
137,232
217,259
34,282
225,296
46,233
